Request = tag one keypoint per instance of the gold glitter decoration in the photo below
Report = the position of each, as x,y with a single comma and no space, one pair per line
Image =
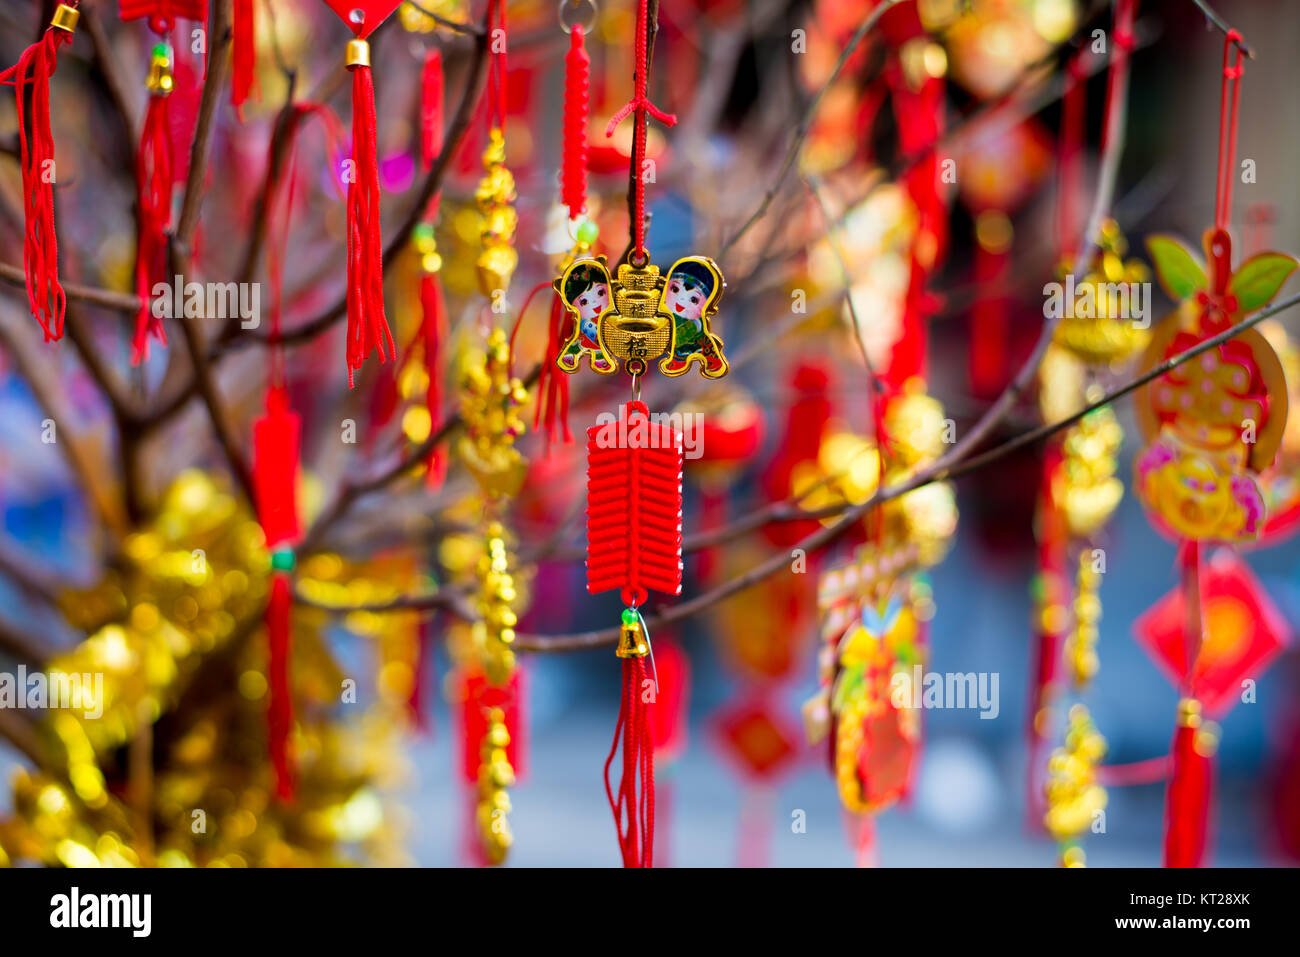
495,196
1074,798
165,764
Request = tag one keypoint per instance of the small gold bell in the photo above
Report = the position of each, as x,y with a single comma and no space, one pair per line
631,640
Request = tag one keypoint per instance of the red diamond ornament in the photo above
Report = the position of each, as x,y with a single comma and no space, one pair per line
1243,632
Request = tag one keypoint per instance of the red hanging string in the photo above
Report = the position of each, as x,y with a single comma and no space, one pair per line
634,806
1230,90
552,410
243,57
433,322
1070,181
45,294
577,81
431,103
154,178
640,105
496,80
367,325
433,331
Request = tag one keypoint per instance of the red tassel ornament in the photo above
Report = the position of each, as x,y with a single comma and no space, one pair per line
154,178
367,324
634,543
275,475
36,154
1187,807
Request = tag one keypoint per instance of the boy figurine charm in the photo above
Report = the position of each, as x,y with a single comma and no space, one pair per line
639,316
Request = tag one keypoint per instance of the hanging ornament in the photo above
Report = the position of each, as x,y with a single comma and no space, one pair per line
155,172
367,324
875,611
31,75
1075,799
634,463
1211,425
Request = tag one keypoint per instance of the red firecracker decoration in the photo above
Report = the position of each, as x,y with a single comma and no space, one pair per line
634,506
30,77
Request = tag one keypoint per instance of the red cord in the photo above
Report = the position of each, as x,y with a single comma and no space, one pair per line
433,331
496,112
577,82
367,325
1230,89
1070,185
154,177
431,103
640,105
45,294
243,56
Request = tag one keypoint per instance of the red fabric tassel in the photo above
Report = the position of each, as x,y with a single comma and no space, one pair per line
367,324
577,80
243,80
1187,802
433,331
634,807
36,154
153,179
280,711
275,476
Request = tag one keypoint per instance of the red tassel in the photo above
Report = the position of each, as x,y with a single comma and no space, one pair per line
243,81
577,77
431,110
154,177
634,806
36,153
367,324
275,476
433,330
280,711
1187,802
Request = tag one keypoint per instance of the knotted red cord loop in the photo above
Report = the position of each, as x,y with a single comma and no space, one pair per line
367,324
577,82
34,68
1229,101
640,104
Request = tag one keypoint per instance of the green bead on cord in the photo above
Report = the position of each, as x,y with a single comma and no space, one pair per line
282,560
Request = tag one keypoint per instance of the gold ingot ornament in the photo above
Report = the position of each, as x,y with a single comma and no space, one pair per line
641,316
